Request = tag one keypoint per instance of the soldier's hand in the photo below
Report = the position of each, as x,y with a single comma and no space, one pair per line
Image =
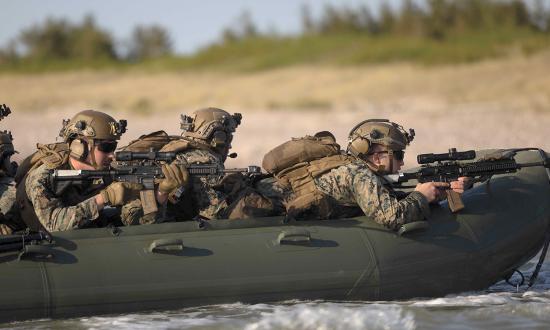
5,230
461,184
120,193
175,176
433,191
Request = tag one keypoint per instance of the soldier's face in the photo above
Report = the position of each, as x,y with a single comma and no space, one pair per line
104,153
381,157
397,163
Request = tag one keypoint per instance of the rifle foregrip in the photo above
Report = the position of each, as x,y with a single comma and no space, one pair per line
148,201
455,201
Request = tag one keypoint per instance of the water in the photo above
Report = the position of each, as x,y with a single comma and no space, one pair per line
499,307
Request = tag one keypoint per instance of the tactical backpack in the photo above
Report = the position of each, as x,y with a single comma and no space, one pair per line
155,140
296,163
54,156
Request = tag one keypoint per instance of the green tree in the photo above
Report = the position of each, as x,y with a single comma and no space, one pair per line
52,40
150,42
57,39
308,25
387,19
9,54
243,28
410,20
91,43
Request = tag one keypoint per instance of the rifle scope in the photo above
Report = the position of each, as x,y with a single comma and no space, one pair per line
451,155
124,156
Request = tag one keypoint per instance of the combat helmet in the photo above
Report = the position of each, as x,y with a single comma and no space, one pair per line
377,131
6,145
211,126
86,128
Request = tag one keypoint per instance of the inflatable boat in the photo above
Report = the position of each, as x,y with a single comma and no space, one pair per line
173,265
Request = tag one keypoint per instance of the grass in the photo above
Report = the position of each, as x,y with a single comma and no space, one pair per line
264,53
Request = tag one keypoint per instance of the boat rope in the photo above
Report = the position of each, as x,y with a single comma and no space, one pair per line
517,284
533,277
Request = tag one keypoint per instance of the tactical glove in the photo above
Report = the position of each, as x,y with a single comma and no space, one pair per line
120,193
5,230
175,176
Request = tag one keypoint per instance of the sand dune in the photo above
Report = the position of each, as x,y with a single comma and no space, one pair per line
499,103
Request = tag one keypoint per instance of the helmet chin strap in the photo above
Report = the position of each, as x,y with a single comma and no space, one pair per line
390,155
92,154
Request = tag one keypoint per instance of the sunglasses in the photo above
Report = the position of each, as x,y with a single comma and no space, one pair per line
399,155
107,146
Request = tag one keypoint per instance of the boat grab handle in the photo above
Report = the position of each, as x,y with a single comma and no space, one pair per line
412,226
166,244
294,236
41,251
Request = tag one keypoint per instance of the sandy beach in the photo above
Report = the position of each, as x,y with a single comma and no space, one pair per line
498,103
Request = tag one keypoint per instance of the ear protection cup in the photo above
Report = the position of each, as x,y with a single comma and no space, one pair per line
359,143
79,149
219,139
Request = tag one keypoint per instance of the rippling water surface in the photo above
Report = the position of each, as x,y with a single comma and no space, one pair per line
499,307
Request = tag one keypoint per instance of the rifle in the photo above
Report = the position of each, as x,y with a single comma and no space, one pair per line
138,167
448,168
18,242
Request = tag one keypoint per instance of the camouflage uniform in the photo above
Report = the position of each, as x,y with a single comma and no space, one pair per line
209,203
9,220
9,217
206,139
354,189
75,208
7,193
356,185
200,198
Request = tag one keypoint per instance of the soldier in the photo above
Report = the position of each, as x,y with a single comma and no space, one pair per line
206,139
90,139
337,184
10,221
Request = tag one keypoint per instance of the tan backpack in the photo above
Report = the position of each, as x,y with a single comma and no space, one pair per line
155,140
53,155
182,144
296,163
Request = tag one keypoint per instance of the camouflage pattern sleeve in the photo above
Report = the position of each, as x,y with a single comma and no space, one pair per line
210,202
357,184
132,214
50,209
11,218
7,194
273,191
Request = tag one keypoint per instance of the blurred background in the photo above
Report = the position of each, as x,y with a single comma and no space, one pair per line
469,74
